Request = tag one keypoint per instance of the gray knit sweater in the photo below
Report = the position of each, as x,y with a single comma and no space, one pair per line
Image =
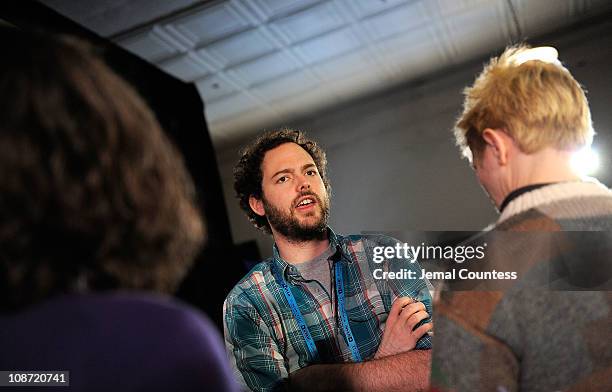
551,338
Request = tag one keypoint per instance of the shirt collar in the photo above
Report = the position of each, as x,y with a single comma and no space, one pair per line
587,187
335,242
517,192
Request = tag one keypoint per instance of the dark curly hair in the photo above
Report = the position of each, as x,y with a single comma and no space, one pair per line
248,175
92,194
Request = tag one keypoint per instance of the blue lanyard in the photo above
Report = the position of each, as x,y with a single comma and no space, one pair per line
312,348
348,334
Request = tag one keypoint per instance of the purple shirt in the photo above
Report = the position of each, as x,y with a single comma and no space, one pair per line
117,342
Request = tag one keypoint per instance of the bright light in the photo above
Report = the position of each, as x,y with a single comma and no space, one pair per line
585,162
547,54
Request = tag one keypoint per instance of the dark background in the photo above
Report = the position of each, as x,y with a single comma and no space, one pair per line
180,111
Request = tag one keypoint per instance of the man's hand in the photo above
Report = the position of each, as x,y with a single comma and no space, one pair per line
396,366
399,336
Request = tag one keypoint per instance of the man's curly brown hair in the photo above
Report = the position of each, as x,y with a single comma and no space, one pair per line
92,194
248,174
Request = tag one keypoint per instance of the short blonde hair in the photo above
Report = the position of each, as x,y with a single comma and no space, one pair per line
538,103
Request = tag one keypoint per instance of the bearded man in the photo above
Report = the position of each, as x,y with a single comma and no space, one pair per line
313,317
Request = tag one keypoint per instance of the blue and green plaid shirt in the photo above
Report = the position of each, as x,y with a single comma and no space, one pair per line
263,337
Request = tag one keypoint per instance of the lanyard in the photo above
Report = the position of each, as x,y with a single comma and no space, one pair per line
312,348
348,334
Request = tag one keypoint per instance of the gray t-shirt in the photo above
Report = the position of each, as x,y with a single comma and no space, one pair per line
317,274
319,270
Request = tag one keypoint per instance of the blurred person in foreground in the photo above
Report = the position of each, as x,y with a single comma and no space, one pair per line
314,316
97,212
523,119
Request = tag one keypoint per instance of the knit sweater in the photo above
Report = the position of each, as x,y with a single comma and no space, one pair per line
545,338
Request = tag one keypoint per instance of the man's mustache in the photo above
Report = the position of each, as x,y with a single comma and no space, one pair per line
310,193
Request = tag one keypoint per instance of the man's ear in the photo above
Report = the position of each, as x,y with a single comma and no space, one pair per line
500,143
257,205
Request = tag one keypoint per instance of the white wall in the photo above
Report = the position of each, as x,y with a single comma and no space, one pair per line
392,160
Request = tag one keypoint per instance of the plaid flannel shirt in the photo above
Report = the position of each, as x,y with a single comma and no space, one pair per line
263,338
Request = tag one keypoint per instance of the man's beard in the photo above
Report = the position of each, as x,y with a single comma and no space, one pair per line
290,226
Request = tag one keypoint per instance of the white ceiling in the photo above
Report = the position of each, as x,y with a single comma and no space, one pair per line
260,63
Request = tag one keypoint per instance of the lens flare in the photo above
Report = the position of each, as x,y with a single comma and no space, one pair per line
547,54
585,162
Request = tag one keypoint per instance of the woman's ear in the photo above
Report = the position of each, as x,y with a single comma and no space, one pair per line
500,142
256,205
